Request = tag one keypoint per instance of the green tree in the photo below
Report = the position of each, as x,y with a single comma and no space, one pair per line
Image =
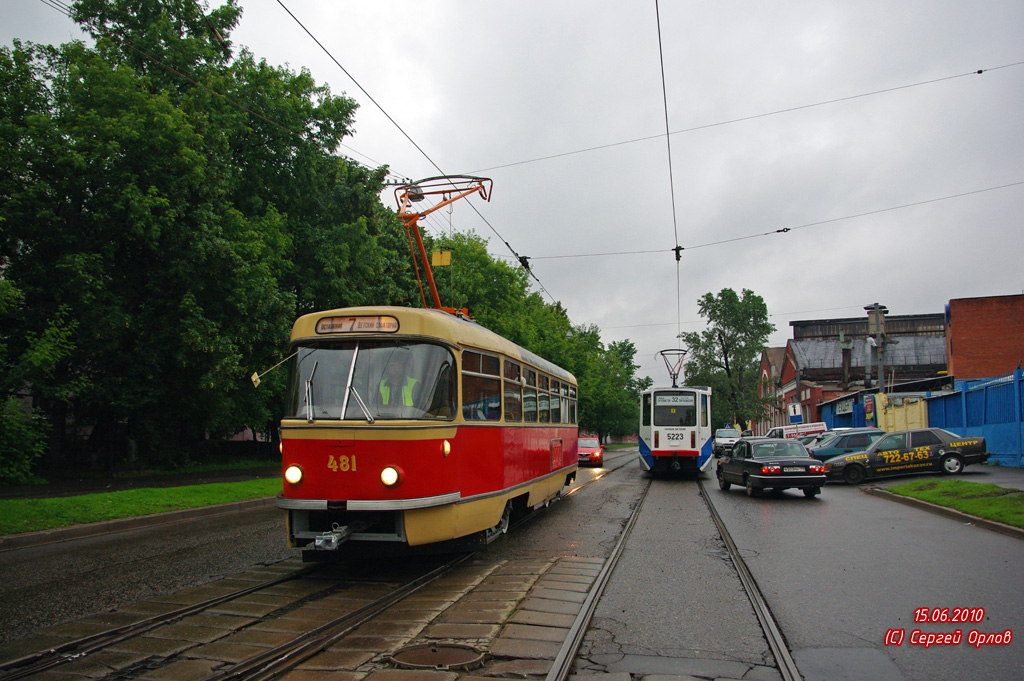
166,210
726,354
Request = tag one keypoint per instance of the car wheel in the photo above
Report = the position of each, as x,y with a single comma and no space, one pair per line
854,474
811,492
951,464
751,490
723,484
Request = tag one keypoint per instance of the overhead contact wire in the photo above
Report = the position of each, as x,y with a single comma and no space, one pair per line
520,258
671,179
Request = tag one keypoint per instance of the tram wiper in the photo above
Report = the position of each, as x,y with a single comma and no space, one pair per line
309,392
362,405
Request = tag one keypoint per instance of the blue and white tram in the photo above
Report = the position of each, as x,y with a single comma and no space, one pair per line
675,429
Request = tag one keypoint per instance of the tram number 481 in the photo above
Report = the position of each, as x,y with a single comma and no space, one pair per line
342,464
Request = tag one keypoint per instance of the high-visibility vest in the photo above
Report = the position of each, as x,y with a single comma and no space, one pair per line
385,392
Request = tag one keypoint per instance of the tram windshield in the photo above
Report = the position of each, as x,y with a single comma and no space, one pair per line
676,408
371,380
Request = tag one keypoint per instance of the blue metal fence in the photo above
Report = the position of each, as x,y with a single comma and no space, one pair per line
993,409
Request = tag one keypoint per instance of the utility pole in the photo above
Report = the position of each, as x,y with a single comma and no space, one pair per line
876,326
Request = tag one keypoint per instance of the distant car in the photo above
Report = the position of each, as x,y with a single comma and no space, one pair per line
590,451
907,452
844,442
723,441
770,463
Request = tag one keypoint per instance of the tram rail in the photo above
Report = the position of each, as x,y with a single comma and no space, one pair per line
89,645
773,635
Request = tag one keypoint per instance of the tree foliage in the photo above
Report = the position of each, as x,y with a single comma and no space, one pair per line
727,353
168,205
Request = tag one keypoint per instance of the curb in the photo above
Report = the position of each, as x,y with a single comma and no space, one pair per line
992,525
24,540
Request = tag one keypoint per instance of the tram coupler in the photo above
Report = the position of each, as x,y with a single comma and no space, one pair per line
675,464
336,536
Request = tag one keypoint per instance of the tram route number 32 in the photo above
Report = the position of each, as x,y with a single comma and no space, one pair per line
342,464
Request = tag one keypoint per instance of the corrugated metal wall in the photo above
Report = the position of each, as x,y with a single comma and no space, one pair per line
993,409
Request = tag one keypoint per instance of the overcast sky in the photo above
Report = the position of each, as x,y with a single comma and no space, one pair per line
480,86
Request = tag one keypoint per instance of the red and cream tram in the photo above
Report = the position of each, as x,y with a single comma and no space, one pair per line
417,426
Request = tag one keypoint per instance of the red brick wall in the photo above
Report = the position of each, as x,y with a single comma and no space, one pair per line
985,336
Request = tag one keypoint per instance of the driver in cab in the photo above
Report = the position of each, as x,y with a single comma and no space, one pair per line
397,388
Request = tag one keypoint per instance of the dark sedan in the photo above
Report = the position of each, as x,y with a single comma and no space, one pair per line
777,464
907,452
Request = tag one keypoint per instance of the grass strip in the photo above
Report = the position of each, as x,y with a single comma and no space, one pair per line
32,515
978,499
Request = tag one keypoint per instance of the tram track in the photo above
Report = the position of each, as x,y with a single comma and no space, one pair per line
89,645
269,663
773,635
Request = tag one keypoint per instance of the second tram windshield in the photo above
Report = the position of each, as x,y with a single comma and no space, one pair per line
675,408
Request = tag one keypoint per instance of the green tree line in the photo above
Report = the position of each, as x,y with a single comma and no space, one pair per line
168,205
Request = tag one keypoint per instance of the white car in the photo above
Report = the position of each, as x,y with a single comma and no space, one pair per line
723,441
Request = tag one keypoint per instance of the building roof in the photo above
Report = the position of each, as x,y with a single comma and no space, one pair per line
906,351
775,357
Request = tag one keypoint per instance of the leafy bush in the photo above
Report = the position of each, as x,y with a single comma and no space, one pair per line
22,443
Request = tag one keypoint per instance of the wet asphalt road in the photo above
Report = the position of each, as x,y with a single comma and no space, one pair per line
47,585
838,572
841,570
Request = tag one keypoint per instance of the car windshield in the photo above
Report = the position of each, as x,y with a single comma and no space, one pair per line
727,432
588,442
778,450
824,440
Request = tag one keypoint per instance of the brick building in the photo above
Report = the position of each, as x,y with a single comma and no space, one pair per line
984,336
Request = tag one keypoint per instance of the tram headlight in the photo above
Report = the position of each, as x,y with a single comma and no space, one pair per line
293,474
389,476
446,448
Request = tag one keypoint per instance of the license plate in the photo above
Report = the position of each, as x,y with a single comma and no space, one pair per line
793,469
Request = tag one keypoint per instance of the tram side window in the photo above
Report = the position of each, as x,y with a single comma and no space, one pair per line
543,400
556,404
513,393
481,387
704,410
530,396
647,410
572,406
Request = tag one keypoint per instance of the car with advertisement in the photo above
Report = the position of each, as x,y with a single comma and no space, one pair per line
798,430
906,452
845,441
589,451
777,464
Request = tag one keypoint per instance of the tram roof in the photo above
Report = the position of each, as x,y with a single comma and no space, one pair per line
428,323
660,388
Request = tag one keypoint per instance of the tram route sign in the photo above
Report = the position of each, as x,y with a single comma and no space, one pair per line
357,324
